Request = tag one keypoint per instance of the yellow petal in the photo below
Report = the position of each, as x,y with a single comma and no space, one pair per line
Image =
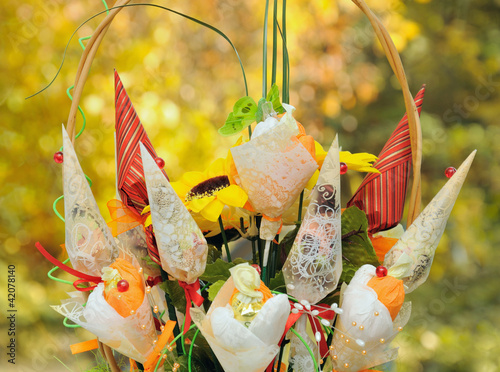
146,209
217,168
149,221
213,210
312,182
233,195
180,189
320,153
191,179
196,205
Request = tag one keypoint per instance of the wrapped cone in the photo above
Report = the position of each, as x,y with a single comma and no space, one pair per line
181,245
411,257
237,347
313,267
130,174
89,242
382,195
273,169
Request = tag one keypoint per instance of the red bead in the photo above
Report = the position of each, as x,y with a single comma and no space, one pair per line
381,271
343,168
160,162
450,171
257,267
58,157
122,285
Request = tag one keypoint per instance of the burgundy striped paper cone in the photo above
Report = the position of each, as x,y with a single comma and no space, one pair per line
130,173
382,195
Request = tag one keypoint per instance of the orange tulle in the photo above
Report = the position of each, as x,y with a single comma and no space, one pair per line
382,246
122,218
131,299
390,292
307,141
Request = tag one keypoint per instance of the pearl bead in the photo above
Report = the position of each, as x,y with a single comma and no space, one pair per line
155,309
176,365
347,340
400,329
58,157
315,312
160,162
119,297
334,357
376,313
162,328
449,172
343,168
346,365
148,289
155,342
321,361
382,340
332,347
361,327
295,311
140,270
342,336
132,312
143,326
363,352
360,342
354,324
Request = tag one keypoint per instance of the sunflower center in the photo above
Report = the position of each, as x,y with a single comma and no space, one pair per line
208,187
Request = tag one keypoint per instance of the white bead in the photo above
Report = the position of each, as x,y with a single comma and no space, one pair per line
325,322
298,306
360,342
304,302
317,335
339,310
290,286
315,312
334,306
295,311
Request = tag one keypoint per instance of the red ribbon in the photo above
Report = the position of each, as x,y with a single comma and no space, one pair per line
83,277
152,281
191,292
327,313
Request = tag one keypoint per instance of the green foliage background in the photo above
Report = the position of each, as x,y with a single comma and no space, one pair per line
184,79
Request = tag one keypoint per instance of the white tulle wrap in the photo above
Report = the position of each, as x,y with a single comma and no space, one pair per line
239,348
181,244
314,264
273,168
411,257
89,242
364,322
125,335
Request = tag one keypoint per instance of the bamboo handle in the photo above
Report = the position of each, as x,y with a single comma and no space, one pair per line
413,118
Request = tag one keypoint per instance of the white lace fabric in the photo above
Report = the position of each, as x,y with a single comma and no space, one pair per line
181,244
411,257
314,264
273,169
89,242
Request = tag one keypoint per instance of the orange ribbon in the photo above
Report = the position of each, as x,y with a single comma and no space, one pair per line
81,347
166,336
123,218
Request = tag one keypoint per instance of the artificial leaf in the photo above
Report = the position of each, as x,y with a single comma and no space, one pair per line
214,289
286,245
357,249
274,96
176,293
243,115
260,112
278,283
219,270
213,254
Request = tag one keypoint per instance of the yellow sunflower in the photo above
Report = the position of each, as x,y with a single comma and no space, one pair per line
208,192
359,162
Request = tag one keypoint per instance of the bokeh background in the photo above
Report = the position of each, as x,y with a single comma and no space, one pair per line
183,80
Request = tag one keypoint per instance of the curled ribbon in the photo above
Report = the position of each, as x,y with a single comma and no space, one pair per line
191,292
83,277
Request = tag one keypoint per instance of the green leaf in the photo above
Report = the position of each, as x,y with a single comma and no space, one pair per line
274,96
219,270
278,283
260,113
214,289
357,250
243,115
213,254
176,293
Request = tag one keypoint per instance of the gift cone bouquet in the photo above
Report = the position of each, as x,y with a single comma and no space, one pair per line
323,284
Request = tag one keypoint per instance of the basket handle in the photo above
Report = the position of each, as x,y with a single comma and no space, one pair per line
411,109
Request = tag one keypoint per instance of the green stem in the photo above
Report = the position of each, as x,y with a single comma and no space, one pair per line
172,316
224,238
286,65
190,355
307,347
301,201
254,252
275,42
264,52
